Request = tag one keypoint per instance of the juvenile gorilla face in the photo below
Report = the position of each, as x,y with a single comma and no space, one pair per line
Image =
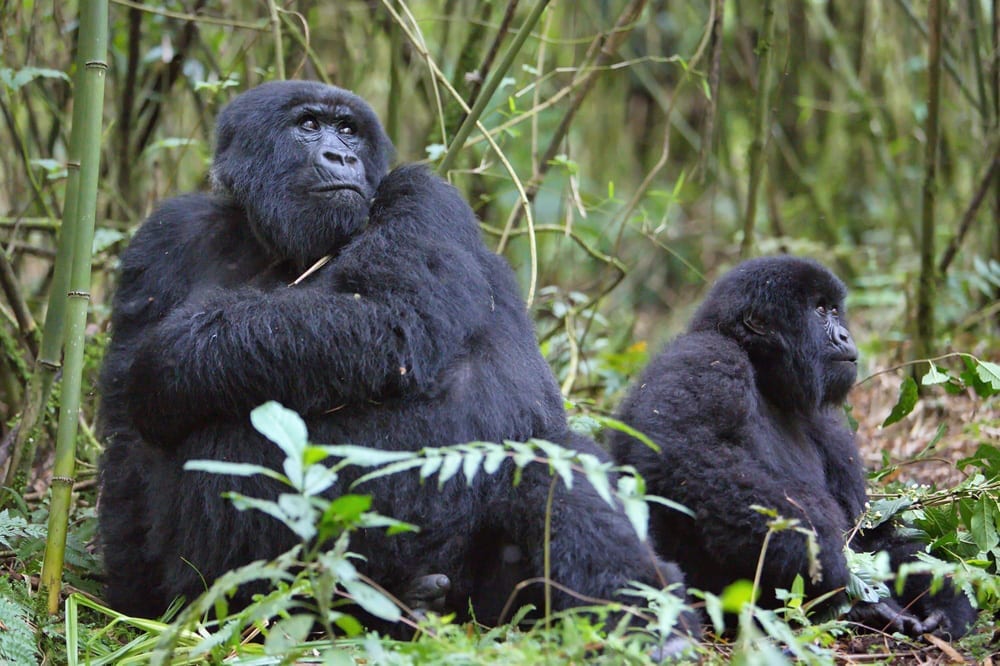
304,160
787,314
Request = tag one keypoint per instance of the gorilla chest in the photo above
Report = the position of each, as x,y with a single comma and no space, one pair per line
785,448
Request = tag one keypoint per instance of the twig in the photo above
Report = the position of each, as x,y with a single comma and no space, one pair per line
926,281
472,117
969,215
765,55
515,180
261,25
279,53
623,26
25,322
948,63
714,68
476,86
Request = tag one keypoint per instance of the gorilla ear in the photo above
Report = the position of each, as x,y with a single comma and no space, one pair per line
754,325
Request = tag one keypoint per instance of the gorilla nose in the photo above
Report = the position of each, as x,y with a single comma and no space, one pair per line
340,166
339,157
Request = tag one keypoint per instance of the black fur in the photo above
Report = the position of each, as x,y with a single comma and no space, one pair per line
413,335
747,409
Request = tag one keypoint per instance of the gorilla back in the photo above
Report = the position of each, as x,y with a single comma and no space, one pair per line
413,334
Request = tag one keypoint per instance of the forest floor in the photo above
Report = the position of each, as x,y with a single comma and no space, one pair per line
965,425
904,443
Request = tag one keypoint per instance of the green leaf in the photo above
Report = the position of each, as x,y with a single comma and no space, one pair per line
494,459
300,515
363,456
670,504
989,373
986,458
372,600
292,466
430,466
282,426
637,512
317,479
635,507
935,376
907,401
449,468
288,634
470,467
105,238
15,80
349,508
882,510
559,459
351,627
564,469
597,474
713,607
523,453
389,470
736,595
233,469
242,502
984,523
314,454
615,424
17,637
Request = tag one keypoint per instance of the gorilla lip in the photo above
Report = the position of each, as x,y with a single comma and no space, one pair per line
327,189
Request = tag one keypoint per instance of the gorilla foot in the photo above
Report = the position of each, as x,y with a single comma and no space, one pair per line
427,593
887,615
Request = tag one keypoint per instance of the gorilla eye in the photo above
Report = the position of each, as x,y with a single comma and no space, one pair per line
346,128
821,309
309,123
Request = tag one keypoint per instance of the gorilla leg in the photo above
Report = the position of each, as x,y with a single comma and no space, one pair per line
133,575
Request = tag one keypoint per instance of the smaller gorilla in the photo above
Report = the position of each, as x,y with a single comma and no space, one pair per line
746,407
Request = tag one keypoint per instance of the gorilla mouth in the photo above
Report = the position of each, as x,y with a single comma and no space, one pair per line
337,187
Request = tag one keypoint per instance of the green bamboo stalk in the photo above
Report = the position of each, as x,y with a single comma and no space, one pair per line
91,69
395,83
486,94
975,22
927,280
762,120
279,51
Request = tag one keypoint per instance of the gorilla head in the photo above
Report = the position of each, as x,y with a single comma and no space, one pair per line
305,148
787,313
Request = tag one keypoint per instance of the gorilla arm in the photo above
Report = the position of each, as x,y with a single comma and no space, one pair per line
384,317
235,350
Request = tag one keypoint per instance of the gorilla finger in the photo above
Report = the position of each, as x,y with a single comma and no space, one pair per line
427,592
936,623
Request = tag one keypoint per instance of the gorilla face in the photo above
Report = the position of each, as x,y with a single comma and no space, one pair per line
838,355
787,314
304,160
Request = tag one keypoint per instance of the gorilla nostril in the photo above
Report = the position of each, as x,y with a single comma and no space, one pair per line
336,158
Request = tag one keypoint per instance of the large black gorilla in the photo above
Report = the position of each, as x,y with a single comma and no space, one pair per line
412,335
746,407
